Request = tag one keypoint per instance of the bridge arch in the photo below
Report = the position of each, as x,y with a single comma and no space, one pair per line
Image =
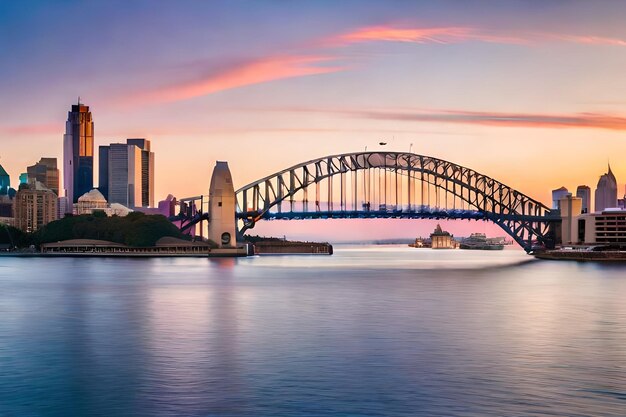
394,185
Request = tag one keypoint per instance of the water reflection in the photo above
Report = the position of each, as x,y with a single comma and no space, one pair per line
369,331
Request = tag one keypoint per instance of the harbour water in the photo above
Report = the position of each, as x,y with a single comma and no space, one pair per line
369,331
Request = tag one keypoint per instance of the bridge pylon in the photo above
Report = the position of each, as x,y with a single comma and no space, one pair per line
222,206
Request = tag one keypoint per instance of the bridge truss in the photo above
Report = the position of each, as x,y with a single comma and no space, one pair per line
394,185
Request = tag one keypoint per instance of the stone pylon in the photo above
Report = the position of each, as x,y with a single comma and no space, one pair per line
222,207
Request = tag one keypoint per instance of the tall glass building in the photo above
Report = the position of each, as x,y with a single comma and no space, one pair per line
78,152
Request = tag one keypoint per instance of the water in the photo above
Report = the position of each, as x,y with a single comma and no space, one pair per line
370,331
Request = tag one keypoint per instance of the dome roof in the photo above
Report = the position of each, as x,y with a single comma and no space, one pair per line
92,196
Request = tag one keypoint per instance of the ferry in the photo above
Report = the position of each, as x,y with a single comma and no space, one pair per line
478,241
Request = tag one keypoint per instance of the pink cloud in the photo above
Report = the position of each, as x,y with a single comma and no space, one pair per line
459,34
240,75
591,40
443,35
501,119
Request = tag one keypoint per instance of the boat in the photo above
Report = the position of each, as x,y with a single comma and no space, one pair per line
479,241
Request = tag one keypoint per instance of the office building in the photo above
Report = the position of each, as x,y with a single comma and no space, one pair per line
571,209
5,181
46,172
24,178
606,192
103,170
35,206
124,174
584,193
557,195
78,152
147,171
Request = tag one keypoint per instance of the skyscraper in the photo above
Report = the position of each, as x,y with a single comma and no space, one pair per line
557,195
78,152
584,192
147,171
606,191
103,171
124,174
5,181
46,172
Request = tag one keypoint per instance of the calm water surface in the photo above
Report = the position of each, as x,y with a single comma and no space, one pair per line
370,331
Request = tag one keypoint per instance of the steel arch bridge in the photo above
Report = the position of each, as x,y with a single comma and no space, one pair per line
394,185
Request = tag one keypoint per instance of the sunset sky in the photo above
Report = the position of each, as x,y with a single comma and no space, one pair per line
531,93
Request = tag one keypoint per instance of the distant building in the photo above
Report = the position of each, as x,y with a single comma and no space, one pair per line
621,203
93,201
124,174
63,207
90,202
606,192
24,178
7,215
557,195
103,170
46,172
123,170
584,193
147,171
5,181
441,239
78,152
571,209
35,206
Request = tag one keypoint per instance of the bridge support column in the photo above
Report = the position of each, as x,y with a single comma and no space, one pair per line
222,207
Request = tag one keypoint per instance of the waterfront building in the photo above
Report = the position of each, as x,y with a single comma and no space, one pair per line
46,172
441,239
5,181
78,152
606,192
607,227
147,171
35,206
557,195
124,174
584,193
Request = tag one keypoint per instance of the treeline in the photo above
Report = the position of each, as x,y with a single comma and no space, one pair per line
136,229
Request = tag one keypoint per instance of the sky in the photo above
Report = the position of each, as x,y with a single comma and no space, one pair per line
530,93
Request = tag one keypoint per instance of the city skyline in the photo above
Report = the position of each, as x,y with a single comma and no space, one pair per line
529,95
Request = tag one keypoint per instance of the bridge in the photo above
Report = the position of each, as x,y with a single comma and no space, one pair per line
390,185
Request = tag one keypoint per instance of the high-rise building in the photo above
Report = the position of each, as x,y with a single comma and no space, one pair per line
557,195
5,181
147,171
46,172
24,178
606,192
103,170
124,174
78,152
35,206
584,193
